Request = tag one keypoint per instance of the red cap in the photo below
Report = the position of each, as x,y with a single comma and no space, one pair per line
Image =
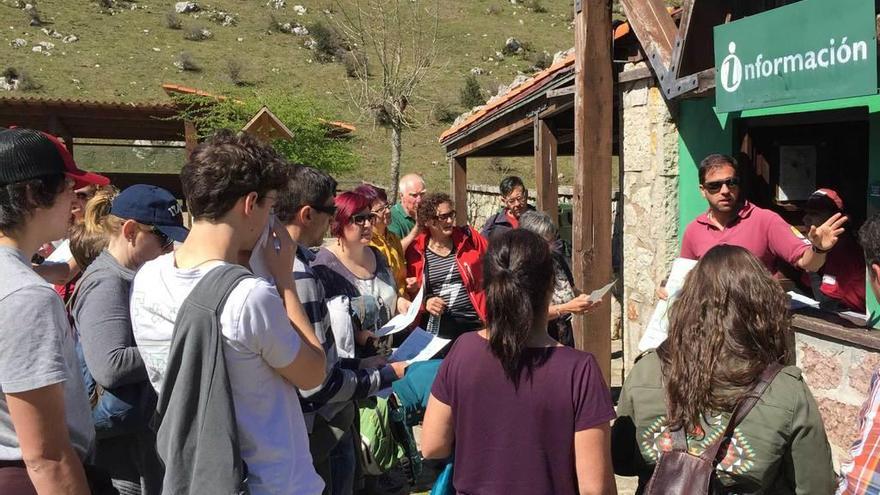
823,196
81,177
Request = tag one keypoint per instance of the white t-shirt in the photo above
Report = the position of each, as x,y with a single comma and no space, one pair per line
61,253
257,337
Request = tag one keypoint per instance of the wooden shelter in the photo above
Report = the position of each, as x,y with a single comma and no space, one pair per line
543,117
81,120
99,123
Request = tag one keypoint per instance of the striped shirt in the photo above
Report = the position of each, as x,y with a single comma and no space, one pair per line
344,381
862,474
445,282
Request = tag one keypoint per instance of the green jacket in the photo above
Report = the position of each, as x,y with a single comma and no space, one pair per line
779,448
401,223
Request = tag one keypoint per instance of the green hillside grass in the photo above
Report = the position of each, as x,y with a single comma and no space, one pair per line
126,56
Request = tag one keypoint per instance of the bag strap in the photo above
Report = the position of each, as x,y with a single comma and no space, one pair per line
741,410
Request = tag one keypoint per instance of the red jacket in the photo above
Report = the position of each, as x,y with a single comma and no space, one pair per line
470,247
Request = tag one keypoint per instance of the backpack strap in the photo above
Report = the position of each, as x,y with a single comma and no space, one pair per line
212,291
741,410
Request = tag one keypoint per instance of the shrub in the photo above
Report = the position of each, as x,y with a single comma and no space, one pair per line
25,81
542,60
355,63
186,62
235,71
535,6
198,34
471,94
328,42
172,20
273,26
499,166
33,14
445,113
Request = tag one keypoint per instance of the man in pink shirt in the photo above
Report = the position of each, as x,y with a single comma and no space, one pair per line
733,220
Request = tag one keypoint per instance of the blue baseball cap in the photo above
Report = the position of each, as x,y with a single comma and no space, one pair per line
153,206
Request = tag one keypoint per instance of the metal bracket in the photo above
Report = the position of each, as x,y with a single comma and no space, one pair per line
682,85
578,8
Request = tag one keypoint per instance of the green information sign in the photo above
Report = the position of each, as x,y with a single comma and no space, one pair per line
810,50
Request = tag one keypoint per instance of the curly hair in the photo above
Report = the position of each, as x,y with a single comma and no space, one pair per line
19,200
427,209
227,167
729,322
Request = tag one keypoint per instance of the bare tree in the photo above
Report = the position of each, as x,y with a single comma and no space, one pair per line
393,49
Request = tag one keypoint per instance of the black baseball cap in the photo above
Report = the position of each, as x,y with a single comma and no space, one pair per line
26,154
151,205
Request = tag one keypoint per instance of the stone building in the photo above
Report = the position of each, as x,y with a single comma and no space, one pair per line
669,115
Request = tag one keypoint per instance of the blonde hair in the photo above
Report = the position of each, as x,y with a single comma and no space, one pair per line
97,218
85,245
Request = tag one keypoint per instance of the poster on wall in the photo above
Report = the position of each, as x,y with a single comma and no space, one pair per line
797,173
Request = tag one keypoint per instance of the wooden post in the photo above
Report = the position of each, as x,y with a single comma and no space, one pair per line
190,137
545,169
593,108
458,171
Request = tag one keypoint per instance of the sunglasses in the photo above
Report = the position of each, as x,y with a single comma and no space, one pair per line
361,219
381,209
715,186
164,240
445,217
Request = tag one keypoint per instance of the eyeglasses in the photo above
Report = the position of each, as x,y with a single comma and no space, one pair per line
715,186
382,209
518,200
164,240
83,196
361,219
330,210
445,217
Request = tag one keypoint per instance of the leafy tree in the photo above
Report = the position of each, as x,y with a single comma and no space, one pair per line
471,94
312,144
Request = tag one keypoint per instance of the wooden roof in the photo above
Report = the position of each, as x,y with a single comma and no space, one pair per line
93,119
530,86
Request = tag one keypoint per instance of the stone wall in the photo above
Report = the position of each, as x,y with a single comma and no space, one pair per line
838,375
484,201
649,160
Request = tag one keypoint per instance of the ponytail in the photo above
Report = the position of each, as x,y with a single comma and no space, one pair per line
519,276
97,219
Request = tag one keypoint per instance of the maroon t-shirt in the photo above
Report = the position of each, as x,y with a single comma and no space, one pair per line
512,440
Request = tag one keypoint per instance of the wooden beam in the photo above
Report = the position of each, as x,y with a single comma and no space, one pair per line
594,107
458,171
653,26
492,137
546,173
190,136
556,93
634,74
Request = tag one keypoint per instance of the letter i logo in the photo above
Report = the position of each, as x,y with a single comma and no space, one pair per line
731,70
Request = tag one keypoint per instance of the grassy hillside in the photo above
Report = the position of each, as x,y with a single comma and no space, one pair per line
125,53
